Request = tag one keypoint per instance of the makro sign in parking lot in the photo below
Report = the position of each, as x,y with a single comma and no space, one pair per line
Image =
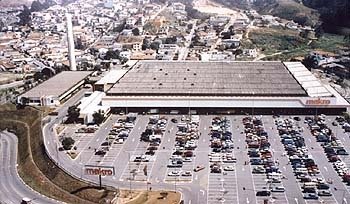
99,170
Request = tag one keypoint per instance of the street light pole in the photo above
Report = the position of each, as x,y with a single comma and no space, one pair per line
129,174
175,180
253,106
343,199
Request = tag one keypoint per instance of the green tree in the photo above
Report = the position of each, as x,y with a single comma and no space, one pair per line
24,16
319,31
136,31
112,54
38,76
67,143
238,52
346,116
79,44
146,44
171,40
155,45
98,117
36,6
2,24
73,114
347,39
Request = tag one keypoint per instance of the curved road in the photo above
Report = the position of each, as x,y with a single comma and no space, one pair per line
12,188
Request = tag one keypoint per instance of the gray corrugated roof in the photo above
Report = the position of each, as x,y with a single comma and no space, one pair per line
208,78
58,84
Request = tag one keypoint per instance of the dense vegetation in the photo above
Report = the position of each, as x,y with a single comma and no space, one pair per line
333,13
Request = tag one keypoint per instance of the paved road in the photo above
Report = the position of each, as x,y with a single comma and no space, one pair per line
12,188
183,51
12,85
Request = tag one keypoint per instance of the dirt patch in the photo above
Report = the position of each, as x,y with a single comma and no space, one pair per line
59,129
149,197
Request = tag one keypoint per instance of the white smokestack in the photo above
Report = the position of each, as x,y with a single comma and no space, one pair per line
73,66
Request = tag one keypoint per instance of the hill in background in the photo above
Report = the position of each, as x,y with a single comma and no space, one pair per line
334,14
11,3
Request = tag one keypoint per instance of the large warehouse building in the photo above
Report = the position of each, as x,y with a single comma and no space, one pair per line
56,89
223,87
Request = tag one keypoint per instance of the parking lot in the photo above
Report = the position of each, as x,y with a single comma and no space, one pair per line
238,159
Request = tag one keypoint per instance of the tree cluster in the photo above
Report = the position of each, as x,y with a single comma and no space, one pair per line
98,117
73,114
333,13
112,54
36,6
67,143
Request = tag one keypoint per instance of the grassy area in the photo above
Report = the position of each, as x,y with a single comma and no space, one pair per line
289,9
329,43
272,40
289,44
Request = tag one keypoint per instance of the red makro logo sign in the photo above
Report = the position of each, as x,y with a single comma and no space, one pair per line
99,170
318,101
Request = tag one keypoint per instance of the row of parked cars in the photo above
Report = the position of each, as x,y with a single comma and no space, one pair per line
332,146
340,120
185,143
304,167
260,155
87,129
221,145
117,134
153,136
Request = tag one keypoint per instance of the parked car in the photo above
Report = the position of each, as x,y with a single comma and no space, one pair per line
324,193
100,152
174,173
187,173
263,193
229,168
312,196
278,189
199,168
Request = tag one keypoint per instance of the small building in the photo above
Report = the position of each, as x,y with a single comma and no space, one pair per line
178,7
55,90
90,105
109,80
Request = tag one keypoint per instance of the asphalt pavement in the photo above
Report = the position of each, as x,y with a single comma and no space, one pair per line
12,188
203,186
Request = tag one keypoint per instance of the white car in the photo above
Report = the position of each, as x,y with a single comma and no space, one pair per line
174,173
278,189
214,154
229,168
187,173
187,159
129,125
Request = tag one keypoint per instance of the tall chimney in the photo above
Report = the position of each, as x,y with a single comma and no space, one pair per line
72,63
